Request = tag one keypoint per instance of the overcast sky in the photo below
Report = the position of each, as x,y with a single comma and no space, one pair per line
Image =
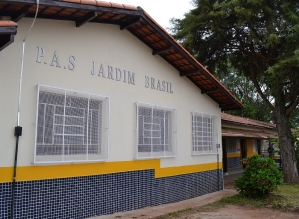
161,10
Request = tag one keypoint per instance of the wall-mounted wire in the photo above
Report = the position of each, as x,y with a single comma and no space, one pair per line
18,128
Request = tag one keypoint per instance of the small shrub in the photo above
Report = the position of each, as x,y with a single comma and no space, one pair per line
260,177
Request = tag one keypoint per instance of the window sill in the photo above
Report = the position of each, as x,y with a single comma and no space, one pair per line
204,154
69,162
152,158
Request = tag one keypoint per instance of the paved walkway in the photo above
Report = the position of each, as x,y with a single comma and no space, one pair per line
233,172
150,212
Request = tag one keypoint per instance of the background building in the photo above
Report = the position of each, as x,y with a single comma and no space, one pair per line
242,137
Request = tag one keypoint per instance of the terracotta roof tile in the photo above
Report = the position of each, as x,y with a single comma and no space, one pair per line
116,5
103,4
246,121
130,7
73,1
89,2
239,133
8,24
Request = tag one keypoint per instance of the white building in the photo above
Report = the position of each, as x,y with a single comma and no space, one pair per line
115,114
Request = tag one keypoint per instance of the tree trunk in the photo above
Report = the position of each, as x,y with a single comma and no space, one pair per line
287,148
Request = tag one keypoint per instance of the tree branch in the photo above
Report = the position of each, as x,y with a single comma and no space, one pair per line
292,106
258,88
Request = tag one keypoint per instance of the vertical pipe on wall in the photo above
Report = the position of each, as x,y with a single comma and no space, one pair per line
152,126
218,174
18,128
137,130
164,130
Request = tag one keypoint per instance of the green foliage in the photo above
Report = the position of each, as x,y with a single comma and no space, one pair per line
245,91
258,39
260,177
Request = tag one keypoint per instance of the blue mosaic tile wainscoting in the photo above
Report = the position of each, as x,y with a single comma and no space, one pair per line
82,197
233,162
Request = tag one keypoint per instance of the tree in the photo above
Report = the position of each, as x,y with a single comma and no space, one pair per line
260,40
245,91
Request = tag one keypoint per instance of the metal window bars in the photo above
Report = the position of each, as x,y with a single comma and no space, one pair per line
70,126
204,133
156,131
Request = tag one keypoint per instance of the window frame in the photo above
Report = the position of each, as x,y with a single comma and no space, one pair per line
105,126
173,131
215,140
237,145
255,147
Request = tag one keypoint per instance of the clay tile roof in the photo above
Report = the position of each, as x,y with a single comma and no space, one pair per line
8,24
104,4
130,7
141,25
87,2
245,121
74,1
116,5
239,133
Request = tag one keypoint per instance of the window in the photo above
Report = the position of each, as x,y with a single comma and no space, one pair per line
71,126
232,145
204,133
156,131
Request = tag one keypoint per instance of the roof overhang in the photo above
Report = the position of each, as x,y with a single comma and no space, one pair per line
242,133
137,22
8,30
246,122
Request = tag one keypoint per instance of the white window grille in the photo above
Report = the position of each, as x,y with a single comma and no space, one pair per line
232,145
70,126
156,131
204,133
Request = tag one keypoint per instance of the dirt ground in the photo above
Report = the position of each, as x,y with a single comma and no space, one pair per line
231,211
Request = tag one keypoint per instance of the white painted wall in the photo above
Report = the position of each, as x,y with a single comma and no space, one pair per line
108,45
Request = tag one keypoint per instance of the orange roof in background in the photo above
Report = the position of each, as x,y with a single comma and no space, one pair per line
141,25
8,24
246,121
263,129
239,133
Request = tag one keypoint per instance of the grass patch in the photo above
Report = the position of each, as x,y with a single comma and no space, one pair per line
179,212
288,198
285,198
176,214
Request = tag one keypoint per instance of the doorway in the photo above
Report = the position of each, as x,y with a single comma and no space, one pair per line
243,150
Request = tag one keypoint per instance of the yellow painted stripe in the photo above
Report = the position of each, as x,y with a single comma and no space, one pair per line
6,174
233,155
29,173
173,171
